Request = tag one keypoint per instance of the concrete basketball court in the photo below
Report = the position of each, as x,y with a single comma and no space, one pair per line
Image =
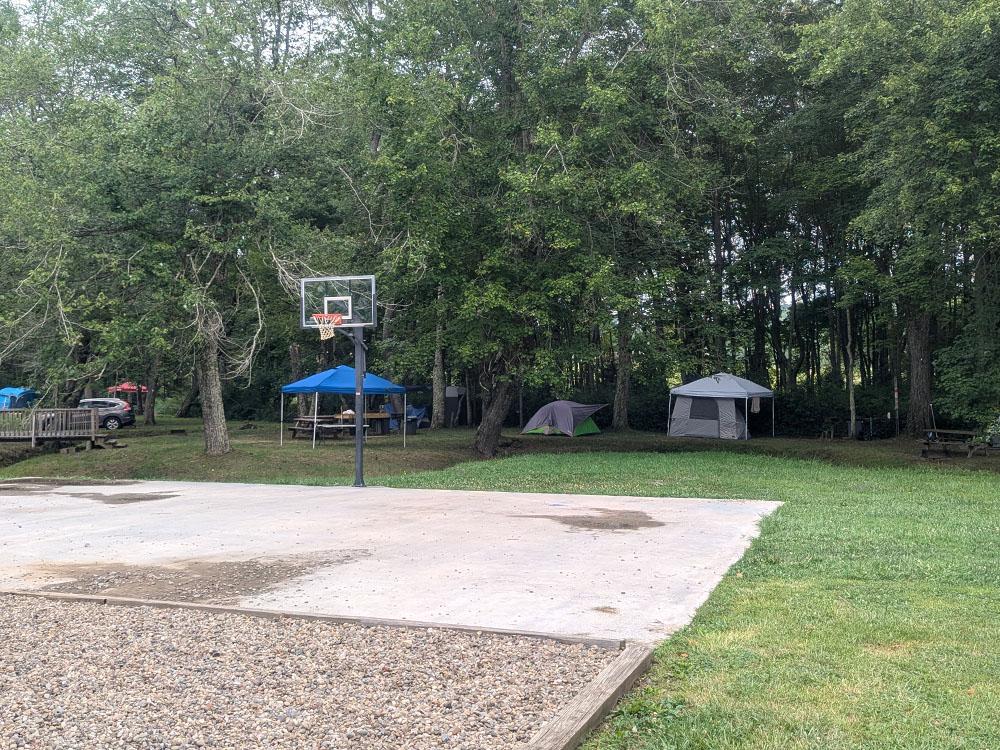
596,565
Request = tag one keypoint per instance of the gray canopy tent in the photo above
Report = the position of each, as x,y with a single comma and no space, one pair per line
707,407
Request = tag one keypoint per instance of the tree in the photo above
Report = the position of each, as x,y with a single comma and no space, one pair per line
561,200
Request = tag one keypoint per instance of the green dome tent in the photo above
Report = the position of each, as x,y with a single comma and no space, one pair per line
564,418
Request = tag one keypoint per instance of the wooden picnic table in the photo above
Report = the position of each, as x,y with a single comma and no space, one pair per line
368,415
326,424
945,440
378,419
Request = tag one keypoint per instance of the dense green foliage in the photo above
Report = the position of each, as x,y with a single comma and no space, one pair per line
594,199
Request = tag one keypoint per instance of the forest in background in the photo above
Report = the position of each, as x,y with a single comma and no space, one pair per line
593,199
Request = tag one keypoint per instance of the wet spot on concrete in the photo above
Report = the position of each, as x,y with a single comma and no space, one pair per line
607,610
606,519
67,488
216,581
122,498
50,486
9,488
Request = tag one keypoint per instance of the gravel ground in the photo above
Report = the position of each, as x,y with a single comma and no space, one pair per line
80,675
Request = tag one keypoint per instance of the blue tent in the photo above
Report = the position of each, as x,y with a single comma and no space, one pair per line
17,398
339,380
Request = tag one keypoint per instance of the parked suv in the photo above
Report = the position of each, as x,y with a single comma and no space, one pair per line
112,413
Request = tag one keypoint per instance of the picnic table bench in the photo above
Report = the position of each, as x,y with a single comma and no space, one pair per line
945,441
326,425
983,448
378,420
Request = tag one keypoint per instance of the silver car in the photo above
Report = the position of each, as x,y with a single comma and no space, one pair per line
112,413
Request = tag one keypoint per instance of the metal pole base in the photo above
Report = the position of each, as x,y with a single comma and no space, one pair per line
359,408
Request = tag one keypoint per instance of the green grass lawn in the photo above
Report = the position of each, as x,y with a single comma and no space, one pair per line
153,453
867,614
11,453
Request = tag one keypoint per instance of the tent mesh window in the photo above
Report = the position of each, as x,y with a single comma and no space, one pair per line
704,408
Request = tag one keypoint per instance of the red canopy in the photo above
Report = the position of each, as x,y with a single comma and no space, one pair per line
127,387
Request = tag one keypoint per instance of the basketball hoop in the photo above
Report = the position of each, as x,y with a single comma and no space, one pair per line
327,324
346,304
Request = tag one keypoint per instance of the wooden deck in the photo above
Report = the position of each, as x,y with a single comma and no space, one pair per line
39,425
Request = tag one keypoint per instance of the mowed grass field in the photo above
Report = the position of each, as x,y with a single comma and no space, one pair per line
153,453
866,615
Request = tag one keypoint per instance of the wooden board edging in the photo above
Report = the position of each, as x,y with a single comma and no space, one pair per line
611,644
571,725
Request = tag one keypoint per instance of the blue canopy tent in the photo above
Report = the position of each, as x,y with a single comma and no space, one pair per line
17,398
339,380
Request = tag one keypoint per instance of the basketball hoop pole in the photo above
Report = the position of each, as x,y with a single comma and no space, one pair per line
359,407
335,304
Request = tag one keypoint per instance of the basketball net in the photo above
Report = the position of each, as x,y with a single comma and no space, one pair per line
327,324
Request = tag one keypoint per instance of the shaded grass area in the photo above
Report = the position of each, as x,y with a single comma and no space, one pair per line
867,614
153,453
11,453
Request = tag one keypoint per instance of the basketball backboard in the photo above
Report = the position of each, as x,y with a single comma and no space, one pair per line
352,297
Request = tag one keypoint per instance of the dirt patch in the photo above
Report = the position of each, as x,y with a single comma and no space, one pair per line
216,581
897,648
606,519
606,610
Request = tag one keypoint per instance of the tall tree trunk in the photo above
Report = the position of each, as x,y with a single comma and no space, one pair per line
387,316
777,346
295,365
849,362
800,359
184,410
623,371
757,369
494,413
152,386
213,413
468,399
834,327
437,377
918,344
718,288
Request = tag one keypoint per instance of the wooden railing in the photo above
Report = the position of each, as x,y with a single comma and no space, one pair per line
48,424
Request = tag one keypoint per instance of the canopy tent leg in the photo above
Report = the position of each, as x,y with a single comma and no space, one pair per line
315,415
746,418
281,421
402,422
772,416
670,403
